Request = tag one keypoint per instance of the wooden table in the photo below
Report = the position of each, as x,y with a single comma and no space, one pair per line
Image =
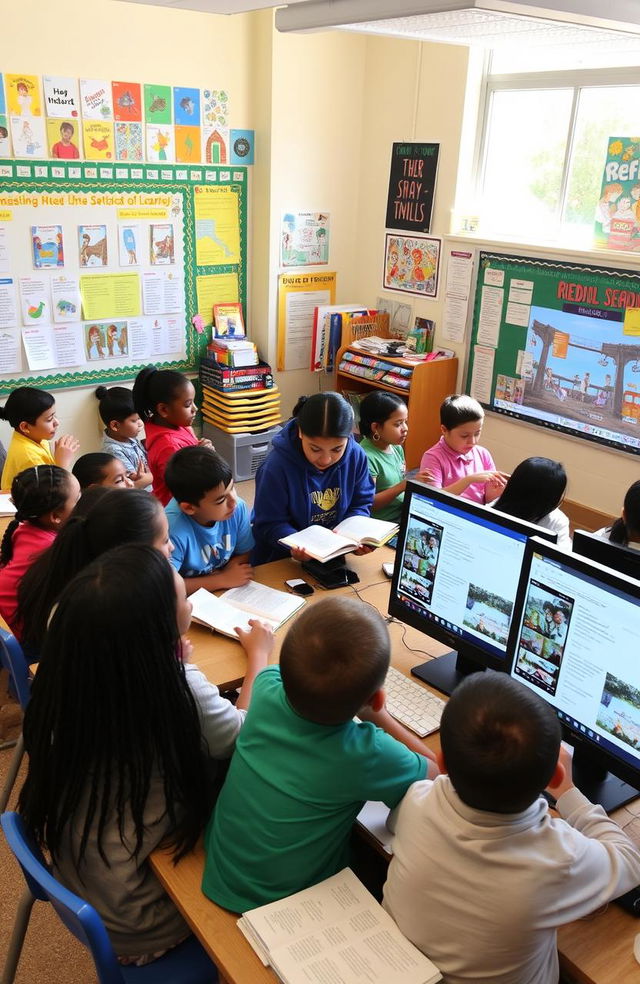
594,950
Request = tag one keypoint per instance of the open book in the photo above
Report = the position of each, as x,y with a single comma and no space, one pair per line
7,507
236,606
334,931
356,531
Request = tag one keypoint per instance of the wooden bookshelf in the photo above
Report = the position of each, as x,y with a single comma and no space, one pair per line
430,383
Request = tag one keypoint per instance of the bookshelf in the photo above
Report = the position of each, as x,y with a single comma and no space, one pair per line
429,383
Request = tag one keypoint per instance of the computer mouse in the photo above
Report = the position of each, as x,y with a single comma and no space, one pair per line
636,948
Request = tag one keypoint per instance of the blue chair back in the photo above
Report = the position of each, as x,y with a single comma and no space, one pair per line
14,661
187,963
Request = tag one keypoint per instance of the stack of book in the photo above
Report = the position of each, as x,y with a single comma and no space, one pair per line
233,352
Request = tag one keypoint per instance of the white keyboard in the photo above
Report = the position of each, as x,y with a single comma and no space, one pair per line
411,704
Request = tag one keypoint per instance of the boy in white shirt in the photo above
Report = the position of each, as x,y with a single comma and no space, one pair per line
482,874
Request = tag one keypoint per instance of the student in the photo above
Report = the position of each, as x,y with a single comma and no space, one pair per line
122,427
383,424
208,525
165,401
127,770
533,492
303,768
108,520
625,531
44,498
32,414
315,474
98,468
457,463
482,875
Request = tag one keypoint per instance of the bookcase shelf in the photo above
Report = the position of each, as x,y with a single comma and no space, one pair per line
430,383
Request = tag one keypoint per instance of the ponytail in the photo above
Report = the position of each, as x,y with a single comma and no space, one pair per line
35,492
153,386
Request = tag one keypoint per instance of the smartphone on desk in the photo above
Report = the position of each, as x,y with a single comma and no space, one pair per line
298,586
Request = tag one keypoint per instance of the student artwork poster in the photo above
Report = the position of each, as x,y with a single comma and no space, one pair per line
106,341
28,136
161,244
617,221
23,95
305,239
129,245
412,264
92,245
48,246
565,342
63,139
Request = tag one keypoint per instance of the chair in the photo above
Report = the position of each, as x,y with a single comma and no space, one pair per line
13,660
185,964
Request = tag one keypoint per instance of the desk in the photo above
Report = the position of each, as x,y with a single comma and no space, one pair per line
596,950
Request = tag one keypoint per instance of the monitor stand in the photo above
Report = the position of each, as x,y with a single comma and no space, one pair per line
591,777
446,672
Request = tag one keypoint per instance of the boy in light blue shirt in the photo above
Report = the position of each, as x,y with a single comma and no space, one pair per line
208,525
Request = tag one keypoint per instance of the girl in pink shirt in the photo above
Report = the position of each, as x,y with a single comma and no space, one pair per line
165,401
44,497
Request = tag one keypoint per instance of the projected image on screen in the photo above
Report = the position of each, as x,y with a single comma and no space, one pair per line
582,371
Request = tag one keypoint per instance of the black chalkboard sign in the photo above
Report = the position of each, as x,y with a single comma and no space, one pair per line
412,182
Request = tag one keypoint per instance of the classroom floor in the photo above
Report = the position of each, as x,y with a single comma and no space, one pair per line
50,955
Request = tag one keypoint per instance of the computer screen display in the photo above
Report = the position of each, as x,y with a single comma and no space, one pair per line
613,555
457,572
575,642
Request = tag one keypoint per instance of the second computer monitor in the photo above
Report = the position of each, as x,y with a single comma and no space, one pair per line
612,555
455,578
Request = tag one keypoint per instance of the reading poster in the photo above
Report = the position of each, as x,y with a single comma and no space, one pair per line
558,344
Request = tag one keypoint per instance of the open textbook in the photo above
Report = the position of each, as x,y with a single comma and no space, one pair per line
356,531
236,606
334,931
7,507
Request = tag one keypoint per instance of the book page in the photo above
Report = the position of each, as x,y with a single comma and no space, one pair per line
264,602
218,615
320,542
360,528
7,507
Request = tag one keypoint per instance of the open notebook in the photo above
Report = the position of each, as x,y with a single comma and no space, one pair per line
356,531
236,606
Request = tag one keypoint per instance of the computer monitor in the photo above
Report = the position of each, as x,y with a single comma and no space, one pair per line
574,641
455,578
613,555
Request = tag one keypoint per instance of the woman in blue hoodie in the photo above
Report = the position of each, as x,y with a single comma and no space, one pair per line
315,474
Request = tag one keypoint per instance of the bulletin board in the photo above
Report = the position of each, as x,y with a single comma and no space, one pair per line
103,268
557,344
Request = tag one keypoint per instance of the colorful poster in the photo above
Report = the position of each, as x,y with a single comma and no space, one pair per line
217,226
98,140
412,183
110,295
48,246
23,95
36,303
92,245
304,239
129,142
28,136
215,145
63,139
160,143
65,294
186,106
161,244
187,144
127,101
242,146
5,146
412,264
61,97
128,244
617,223
95,99
157,104
106,341
215,107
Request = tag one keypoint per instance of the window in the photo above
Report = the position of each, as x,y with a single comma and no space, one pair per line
543,145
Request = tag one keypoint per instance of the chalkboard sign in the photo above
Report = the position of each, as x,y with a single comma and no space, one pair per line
412,182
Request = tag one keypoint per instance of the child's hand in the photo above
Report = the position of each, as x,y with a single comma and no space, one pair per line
204,442
495,486
234,575
66,447
186,649
136,475
258,643
362,550
299,554
425,476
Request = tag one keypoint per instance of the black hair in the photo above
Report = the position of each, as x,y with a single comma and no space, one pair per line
324,415
191,472
376,408
110,719
89,468
459,409
500,743
153,386
34,492
25,403
628,528
116,403
327,677
536,487
112,519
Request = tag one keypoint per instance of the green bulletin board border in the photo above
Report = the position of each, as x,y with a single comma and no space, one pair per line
29,177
